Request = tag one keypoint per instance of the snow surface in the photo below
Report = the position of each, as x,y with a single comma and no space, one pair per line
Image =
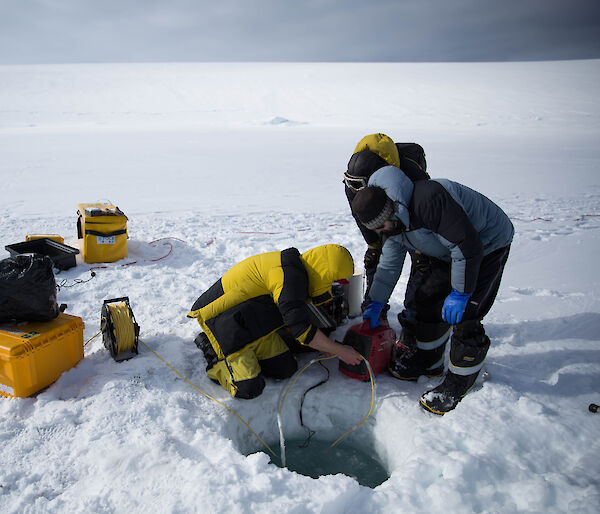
213,163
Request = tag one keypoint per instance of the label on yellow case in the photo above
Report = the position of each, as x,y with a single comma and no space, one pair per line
12,330
105,240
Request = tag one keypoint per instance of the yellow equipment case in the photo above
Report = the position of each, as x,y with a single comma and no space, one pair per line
103,229
34,354
54,237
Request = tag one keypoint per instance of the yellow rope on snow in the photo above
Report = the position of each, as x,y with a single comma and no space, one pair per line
370,410
298,375
92,338
213,399
125,337
282,398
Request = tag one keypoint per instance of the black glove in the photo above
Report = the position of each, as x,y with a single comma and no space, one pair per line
372,256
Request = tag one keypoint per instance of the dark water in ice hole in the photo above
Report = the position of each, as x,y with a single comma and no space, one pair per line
318,459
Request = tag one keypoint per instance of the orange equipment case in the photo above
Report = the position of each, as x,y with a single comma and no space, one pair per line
34,354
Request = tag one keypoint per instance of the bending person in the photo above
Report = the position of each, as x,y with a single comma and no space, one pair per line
258,306
468,236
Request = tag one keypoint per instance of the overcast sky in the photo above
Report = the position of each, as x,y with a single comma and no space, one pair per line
70,31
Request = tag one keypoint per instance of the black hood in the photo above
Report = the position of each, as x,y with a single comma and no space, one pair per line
365,163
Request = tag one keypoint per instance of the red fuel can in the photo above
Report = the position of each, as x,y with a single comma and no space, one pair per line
374,344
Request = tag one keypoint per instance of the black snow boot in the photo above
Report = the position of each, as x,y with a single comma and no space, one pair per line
412,357
448,394
410,362
203,344
467,352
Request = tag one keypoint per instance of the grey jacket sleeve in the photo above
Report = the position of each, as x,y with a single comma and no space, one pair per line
389,270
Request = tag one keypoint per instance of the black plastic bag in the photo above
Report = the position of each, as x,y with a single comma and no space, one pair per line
27,289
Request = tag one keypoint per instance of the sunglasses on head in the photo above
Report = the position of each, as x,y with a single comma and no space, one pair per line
355,183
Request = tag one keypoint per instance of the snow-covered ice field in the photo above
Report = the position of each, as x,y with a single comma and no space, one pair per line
213,163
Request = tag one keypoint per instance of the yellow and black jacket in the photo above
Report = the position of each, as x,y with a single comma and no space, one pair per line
265,292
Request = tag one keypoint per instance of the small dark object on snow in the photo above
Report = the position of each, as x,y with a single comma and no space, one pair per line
594,408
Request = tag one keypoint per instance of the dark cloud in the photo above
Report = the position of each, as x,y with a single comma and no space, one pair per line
67,31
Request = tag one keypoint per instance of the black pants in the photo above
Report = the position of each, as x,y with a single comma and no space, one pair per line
488,283
430,281
432,285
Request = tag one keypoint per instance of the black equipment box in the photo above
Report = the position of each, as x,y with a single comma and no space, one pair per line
63,256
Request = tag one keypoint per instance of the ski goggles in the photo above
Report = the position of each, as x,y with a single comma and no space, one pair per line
355,183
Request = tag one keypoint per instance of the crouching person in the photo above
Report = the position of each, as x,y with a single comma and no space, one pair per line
467,239
258,306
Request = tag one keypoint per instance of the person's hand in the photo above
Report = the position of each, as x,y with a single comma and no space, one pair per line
372,257
349,355
372,313
454,307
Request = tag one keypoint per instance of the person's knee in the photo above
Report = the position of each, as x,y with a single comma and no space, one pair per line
280,366
470,344
469,331
249,388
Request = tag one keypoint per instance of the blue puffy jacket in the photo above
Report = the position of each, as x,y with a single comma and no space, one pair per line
443,219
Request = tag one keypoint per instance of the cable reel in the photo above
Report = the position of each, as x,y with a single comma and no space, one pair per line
120,332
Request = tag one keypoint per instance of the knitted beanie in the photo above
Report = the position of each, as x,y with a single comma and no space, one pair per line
373,207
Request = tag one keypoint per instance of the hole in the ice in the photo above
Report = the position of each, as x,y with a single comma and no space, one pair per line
356,456
320,459
310,427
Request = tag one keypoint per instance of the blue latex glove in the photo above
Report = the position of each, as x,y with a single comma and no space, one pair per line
372,313
454,307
